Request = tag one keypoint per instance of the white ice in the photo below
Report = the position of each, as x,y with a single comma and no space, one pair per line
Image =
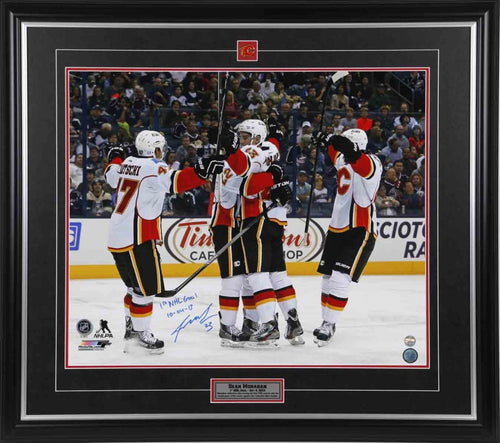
381,312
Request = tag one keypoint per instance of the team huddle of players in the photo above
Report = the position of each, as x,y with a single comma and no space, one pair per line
250,194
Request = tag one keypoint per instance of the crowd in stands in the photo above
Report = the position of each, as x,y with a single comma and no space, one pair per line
184,107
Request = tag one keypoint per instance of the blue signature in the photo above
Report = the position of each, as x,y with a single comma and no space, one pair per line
202,319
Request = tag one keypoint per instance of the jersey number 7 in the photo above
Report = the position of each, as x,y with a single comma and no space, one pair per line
128,187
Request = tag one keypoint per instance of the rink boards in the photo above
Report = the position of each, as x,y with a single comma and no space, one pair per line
400,247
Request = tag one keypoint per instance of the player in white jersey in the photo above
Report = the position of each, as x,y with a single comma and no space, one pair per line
141,183
232,262
267,247
352,232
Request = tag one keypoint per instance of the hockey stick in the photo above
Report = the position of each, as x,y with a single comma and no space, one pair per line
172,292
221,112
333,79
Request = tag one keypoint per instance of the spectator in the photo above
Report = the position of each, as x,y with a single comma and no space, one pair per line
91,175
267,87
303,188
192,130
116,89
97,98
177,95
285,115
418,183
75,100
409,165
173,116
278,96
308,164
337,127
312,100
171,161
375,140
400,137
203,147
420,167
411,203
159,95
240,93
386,204
349,122
339,100
417,139
255,94
366,91
76,171
192,155
125,113
390,182
357,101
400,175
193,97
380,98
364,122
392,152
232,108
417,83
404,110
181,153
124,136
141,104
320,193
99,201
386,122
95,159
95,118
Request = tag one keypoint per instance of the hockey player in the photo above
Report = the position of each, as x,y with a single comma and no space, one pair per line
141,182
224,227
352,232
274,222
262,256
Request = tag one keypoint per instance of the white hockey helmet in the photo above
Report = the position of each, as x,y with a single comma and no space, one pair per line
147,142
270,151
358,137
255,128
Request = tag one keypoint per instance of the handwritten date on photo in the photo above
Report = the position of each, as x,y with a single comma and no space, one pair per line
184,306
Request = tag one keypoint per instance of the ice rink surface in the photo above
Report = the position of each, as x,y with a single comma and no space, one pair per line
381,312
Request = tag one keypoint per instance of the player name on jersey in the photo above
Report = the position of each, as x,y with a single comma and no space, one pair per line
129,169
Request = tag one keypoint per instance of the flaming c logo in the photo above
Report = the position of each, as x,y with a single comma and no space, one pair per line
247,50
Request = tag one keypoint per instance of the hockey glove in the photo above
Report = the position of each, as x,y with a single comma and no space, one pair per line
274,129
205,167
116,152
281,193
276,171
346,147
229,140
321,140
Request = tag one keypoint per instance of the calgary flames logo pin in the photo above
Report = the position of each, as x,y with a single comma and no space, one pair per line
247,50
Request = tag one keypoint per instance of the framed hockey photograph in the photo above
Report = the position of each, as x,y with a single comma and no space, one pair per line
273,214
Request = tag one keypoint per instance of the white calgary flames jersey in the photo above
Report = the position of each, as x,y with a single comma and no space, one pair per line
227,190
260,163
141,184
354,204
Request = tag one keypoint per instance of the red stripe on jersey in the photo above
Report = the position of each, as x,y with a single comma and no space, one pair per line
140,310
251,207
324,299
333,153
264,296
223,216
257,183
285,292
362,217
274,141
149,230
238,162
230,303
187,179
363,166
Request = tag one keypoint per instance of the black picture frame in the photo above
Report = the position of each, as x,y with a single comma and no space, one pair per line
466,249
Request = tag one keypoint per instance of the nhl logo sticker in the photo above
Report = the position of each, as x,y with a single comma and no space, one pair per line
84,326
247,50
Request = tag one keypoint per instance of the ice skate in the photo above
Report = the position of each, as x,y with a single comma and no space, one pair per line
325,334
249,326
232,337
315,332
267,334
147,340
294,329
